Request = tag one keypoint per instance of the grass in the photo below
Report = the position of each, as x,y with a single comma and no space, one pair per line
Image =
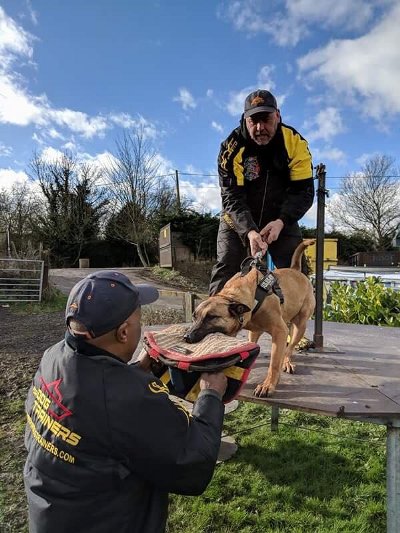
172,277
52,300
316,474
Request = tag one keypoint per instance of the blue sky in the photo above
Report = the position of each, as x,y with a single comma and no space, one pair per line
74,74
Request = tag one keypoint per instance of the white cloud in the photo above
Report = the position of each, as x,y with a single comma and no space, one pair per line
51,155
70,146
79,122
8,177
21,108
328,153
123,119
364,70
209,93
185,99
205,197
54,134
32,12
5,151
290,22
217,127
365,157
325,125
235,104
310,218
14,41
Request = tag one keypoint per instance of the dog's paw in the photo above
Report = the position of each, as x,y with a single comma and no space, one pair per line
288,366
263,390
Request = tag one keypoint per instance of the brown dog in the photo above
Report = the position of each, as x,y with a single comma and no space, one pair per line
230,310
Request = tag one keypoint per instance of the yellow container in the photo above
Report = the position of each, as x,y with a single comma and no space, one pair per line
330,254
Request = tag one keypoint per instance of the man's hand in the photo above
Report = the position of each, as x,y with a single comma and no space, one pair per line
144,361
272,230
214,380
256,242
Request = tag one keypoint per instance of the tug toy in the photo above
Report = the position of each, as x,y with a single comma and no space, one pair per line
179,364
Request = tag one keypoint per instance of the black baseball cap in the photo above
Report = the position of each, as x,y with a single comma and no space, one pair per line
259,101
105,299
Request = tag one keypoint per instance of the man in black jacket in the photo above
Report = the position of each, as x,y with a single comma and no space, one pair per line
266,179
106,443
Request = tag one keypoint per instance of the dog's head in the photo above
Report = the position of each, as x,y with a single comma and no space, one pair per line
216,315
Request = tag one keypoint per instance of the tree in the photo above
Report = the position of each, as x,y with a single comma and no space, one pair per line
369,202
74,205
19,209
140,196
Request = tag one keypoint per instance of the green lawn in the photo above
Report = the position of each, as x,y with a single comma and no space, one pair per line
316,474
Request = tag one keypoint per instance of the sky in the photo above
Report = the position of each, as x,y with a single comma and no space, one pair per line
74,75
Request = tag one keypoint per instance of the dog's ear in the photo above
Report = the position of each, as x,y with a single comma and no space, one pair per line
237,309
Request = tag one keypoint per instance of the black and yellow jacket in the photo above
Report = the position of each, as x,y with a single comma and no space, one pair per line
263,183
106,444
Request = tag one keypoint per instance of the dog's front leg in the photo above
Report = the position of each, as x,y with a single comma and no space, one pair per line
278,336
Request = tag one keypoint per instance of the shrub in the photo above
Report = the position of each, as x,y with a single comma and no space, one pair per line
368,302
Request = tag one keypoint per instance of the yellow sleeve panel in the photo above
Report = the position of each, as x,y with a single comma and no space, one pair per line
300,163
238,167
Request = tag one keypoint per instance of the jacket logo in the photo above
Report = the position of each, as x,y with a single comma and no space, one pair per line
56,409
227,153
156,387
257,100
251,168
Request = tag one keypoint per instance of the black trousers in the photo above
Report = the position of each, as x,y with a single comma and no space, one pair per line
231,252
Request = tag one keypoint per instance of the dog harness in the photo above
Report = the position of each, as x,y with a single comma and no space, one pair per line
267,285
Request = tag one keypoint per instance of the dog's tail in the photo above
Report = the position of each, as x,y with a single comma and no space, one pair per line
297,254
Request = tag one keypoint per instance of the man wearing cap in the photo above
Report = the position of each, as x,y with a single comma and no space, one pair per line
266,180
105,441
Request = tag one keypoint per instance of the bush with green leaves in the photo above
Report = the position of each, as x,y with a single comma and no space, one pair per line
367,302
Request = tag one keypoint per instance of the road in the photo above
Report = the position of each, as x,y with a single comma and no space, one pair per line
65,278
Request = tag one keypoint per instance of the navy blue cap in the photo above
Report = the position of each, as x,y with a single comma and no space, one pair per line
259,101
105,299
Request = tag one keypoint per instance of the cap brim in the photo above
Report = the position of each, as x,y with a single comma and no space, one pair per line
261,109
147,294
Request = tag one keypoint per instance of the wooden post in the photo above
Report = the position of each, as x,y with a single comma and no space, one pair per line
188,305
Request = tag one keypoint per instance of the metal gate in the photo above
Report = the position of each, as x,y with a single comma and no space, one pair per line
21,280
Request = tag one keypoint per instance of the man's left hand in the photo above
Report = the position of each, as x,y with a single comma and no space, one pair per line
144,361
272,230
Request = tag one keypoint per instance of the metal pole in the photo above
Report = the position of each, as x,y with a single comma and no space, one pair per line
393,477
178,198
319,264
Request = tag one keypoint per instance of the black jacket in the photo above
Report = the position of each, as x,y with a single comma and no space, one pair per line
263,183
106,444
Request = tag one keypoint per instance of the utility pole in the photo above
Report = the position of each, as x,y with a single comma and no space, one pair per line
178,198
319,264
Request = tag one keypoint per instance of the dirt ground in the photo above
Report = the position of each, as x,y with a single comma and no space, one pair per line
23,339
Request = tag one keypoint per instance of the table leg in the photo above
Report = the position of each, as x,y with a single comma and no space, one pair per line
393,477
274,417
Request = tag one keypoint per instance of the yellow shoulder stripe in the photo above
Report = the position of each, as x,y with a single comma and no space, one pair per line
238,167
300,163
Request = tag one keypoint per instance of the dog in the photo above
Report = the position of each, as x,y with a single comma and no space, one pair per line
230,310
